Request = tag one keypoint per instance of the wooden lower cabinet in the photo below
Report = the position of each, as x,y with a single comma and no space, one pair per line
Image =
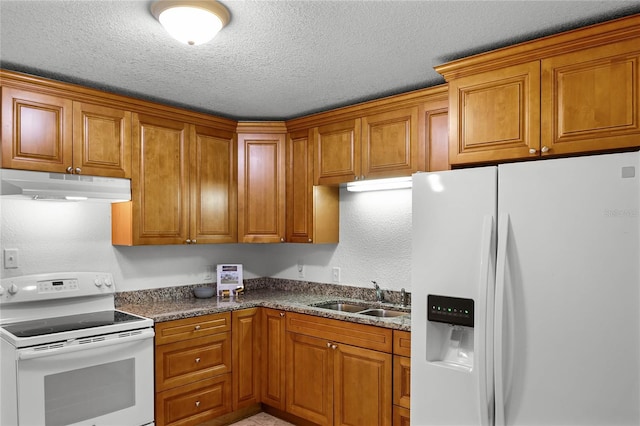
272,369
193,370
245,326
330,382
401,377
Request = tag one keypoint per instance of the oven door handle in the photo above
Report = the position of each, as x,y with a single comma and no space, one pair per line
86,344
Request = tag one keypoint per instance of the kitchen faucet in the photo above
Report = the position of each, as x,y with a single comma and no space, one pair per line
379,294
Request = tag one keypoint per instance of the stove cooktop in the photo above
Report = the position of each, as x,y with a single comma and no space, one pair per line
42,327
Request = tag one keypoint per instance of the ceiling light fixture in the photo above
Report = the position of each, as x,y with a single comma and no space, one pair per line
379,184
191,22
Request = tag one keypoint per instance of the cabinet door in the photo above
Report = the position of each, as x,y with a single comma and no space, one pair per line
273,358
495,115
160,181
101,140
434,127
299,188
390,144
337,152
261,188
402,381
36,131
591,99
363,387
213,186
401,416
310,379
246,357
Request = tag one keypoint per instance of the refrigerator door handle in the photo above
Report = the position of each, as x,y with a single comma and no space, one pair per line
500,305
486,281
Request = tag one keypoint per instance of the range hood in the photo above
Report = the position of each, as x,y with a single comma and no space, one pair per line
60,186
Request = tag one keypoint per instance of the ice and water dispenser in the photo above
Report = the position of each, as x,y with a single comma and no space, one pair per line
450,331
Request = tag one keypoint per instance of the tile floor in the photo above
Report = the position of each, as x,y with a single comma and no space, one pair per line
261,419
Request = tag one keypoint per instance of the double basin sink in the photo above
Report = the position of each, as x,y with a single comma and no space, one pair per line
363,309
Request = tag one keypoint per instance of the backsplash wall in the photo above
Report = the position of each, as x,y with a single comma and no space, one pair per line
375,244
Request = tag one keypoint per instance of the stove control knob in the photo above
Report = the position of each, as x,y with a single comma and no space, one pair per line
1,290
13,289
107,282
98,282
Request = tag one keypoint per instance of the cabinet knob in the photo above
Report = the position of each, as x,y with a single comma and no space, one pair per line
281,239
78,170
197,327
282,314
197,360
310,240
532,151
355,178
328,344
197,403
193,241
69,169
545,149
188,241
334,346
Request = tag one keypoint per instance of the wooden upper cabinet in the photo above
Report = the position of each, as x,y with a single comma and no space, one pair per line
37,131
312,211
591,99
183,185
494,115
261,187
433,122
390,144
160,180
51,133
213,186
337,152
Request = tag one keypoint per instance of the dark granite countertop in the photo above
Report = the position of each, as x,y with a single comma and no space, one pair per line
188,306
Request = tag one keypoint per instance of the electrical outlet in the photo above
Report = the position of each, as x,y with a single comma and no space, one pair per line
10,258
208,276
335,274
300,270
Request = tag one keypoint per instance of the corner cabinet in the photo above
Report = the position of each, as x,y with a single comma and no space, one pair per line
313,212
183,185
570,93
45,131
261,182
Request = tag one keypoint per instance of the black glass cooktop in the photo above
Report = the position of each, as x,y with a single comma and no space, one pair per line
41,327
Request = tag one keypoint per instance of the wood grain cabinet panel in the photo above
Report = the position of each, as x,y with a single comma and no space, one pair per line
401,416
494,115
433,121
312,212
390,144
591,99
337,152
261,188
246,357
272,368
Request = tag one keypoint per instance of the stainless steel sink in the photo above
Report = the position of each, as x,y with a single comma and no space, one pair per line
361,309
383,313
344,307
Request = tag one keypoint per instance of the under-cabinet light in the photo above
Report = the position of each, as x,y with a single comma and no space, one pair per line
379,184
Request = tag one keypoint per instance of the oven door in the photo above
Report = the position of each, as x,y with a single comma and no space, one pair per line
102,380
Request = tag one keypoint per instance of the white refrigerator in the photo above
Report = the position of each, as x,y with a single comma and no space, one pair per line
526,294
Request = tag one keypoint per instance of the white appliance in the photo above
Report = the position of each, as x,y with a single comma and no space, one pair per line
67,357
526,294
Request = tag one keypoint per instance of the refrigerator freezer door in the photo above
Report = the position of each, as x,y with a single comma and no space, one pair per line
568,288
453,253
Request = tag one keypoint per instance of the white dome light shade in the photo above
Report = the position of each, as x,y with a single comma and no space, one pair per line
191,22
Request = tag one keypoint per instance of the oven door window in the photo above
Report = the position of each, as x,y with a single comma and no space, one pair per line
101,384
86,393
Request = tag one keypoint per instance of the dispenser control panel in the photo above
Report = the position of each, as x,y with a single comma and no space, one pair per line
450,310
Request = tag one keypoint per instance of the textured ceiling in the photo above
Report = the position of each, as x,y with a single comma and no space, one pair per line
275,59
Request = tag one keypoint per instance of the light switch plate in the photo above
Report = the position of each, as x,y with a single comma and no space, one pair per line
10,258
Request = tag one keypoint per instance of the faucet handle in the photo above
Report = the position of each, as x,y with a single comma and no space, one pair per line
375,285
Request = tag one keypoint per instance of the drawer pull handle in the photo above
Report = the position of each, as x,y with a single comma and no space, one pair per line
197,360
197,327
197,403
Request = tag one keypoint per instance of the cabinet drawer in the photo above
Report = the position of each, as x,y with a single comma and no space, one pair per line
365,336
189,328
402,343
195,403
185,362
